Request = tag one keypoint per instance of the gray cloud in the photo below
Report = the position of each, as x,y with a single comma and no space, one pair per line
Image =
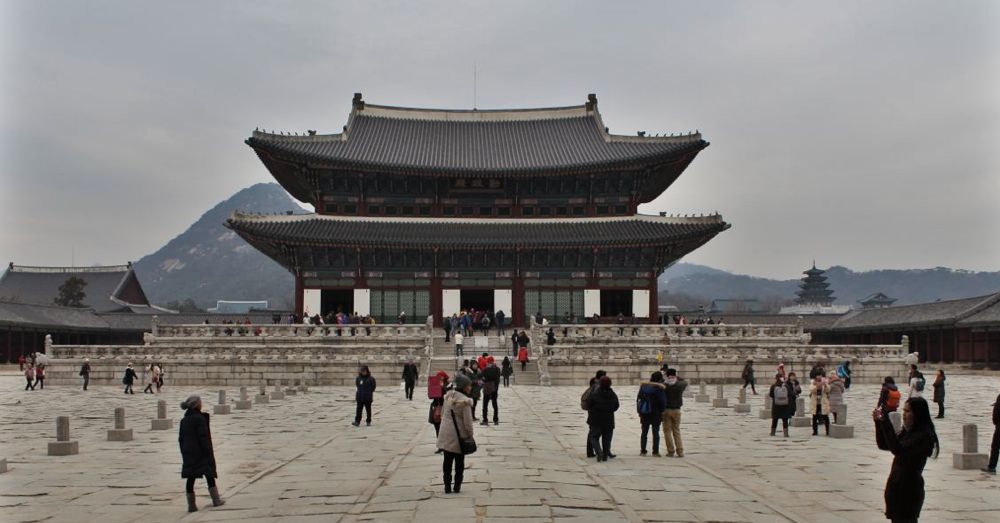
855,133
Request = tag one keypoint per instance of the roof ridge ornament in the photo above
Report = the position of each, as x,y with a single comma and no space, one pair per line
591,102
358,103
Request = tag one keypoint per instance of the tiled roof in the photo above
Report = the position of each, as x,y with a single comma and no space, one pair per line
313,229
809,322
33,315
923,314
40,285
987,316
508,141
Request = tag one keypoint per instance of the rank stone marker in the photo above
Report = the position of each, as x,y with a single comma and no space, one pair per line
720,401
222,407
262,397
3,465
120,433
162,422
969,458
840,429
702,396
277,394
800,419
244,402
742,407
765,413
62,446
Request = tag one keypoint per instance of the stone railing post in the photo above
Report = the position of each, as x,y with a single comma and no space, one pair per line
63,446
162,422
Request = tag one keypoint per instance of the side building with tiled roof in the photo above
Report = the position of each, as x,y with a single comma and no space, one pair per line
429,212
948,331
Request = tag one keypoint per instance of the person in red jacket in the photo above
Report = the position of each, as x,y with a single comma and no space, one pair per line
522,356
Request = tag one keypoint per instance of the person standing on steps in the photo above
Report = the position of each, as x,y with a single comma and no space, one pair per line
364,396
459,342
195,439
782,395
491,387
129,379
601,407
904,490
456,416
85,372
674,388
506,370
410,376
513,343
522,356
939,393
500,317
991,466
446,324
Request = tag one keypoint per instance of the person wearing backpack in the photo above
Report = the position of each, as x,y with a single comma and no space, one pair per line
782,395
585,405
844,371
491,387
649,404
889,397
673,388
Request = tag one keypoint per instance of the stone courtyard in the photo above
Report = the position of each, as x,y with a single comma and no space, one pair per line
298,459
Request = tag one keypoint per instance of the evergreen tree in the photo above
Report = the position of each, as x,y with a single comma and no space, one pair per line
71,293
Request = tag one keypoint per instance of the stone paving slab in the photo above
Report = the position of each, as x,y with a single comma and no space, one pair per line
298,459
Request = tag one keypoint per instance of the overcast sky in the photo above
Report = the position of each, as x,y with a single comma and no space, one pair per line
863,134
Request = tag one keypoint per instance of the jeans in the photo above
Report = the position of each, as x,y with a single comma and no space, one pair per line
774,424
368,411
652,421
506,381
672,431
457,461
30,385
86,381
487,399
447,335
41,383
458,350
600,439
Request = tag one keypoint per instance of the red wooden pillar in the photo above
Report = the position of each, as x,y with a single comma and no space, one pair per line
654,308
436,300
299,298
517,302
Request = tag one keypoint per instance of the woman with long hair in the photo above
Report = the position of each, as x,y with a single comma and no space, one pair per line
939,393
904,490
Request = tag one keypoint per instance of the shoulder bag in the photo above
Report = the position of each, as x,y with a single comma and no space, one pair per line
468,446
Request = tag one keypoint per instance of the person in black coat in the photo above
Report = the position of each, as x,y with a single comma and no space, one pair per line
782,412
129,379
410,375
991,466
904,490
939,393
195,438
601,407
364,396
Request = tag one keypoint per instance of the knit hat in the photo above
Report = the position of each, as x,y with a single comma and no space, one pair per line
462,381
605,382
442,375
190,402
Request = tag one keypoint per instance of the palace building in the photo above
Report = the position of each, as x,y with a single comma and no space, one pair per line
429,212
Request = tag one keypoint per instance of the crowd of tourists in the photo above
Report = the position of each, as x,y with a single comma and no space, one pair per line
469,322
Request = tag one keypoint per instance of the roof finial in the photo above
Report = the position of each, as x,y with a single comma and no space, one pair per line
591,102
357,102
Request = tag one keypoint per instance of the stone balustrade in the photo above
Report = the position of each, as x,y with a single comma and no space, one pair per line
630,334
259,333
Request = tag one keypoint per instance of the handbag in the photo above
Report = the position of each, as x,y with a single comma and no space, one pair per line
436,414
468,446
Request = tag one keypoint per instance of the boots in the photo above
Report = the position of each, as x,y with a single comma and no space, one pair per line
216,500
192,507
447,488
458,486
785,430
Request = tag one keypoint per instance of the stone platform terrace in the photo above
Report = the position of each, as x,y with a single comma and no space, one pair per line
298,459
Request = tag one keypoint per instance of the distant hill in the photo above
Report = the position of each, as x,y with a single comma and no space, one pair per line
907,285
208,262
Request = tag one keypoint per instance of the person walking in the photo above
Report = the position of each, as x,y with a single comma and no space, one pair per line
904,490
197,454
476,376
159,377
916,382
650,403
491,387
506,370
601,407
153,377
410,375
500,317
748,378
513,342
782,395
836,393
364,396
459,342
85,372
446,324
29,375
40,377
889,397
456,414
819,402
129,379
522,356
939,393
991,466
844,371
674,388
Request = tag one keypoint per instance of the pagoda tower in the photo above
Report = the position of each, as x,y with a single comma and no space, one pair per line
814,290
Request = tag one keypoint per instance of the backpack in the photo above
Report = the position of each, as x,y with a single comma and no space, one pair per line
642,404
892,400
585,398
781,395
920,384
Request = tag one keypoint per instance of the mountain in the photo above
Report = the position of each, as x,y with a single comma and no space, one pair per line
208,262
703,284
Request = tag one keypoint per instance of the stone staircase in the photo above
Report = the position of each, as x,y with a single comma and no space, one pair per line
444,356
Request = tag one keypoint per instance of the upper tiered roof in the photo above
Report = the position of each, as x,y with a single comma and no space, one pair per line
477,142
113,288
